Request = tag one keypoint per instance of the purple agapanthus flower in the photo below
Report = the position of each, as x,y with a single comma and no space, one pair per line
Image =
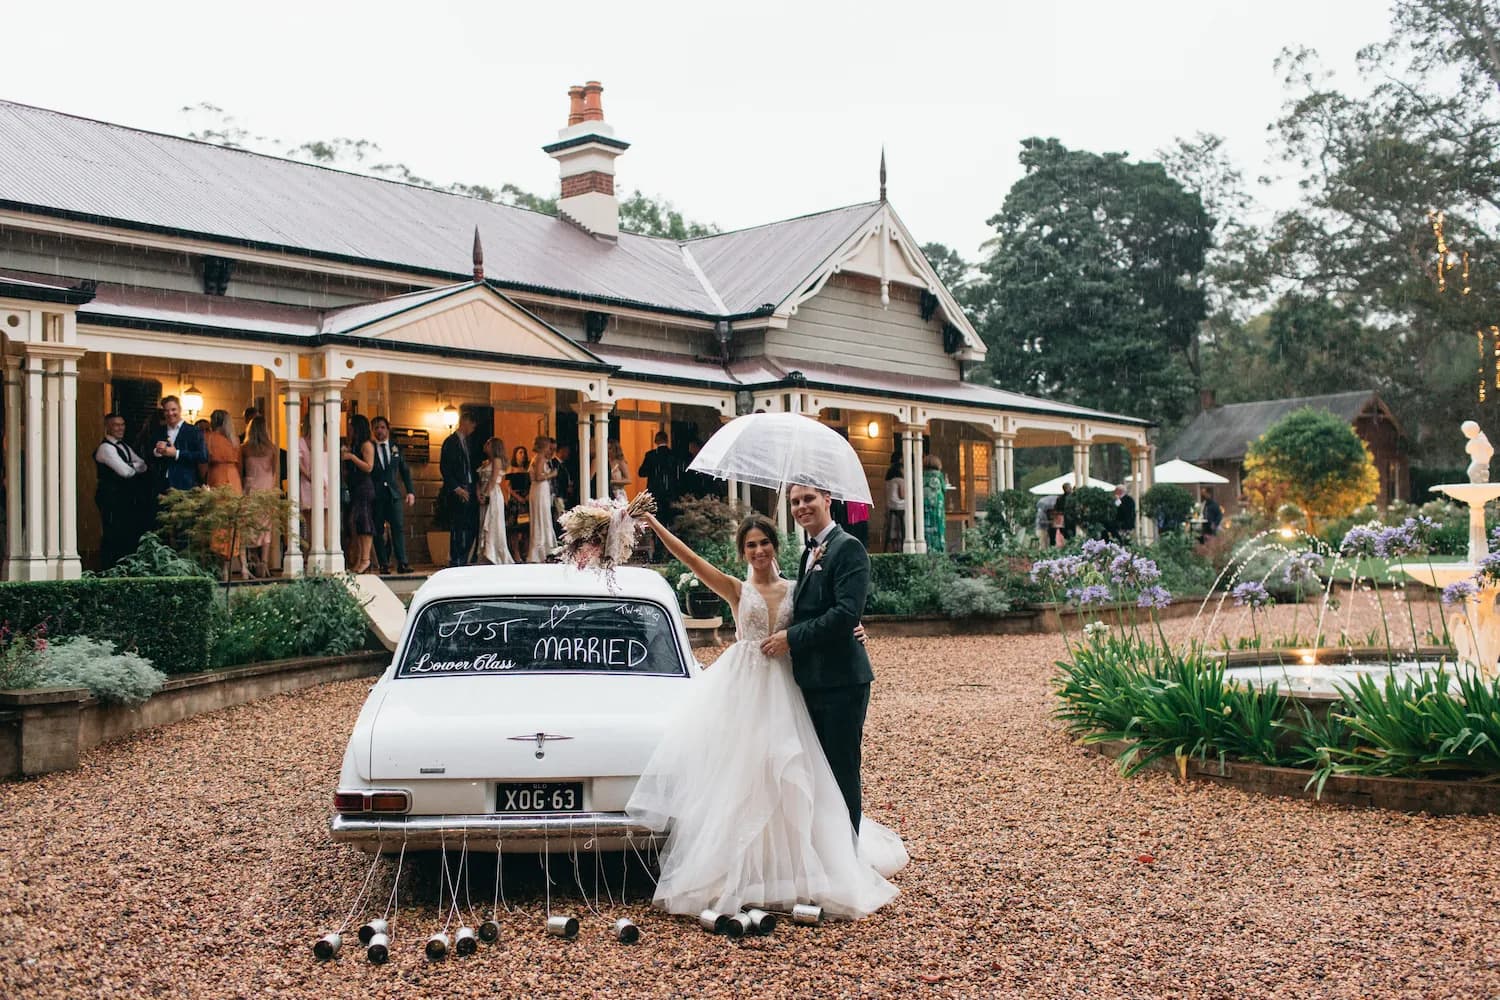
1059,570
1489,567
1302,569
1404,539
1361,540
1094,593
1153,597
1251,594
1457,593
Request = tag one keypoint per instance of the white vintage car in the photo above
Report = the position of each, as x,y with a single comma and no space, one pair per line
517,713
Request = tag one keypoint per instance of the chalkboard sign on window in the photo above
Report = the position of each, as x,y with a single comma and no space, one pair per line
467,638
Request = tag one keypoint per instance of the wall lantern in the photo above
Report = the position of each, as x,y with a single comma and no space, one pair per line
873,430
450,416
192,402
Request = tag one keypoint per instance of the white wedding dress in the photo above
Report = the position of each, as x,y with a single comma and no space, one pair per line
756,816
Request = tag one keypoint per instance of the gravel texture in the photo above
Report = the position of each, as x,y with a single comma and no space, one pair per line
193,860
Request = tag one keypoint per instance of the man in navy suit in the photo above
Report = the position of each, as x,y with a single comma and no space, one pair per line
460,499
393,494
177,450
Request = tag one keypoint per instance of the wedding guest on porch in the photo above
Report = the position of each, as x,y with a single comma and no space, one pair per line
123,493
543,535
177,449
565,486
895,506
1123,528
619,471
393,494
1213,515
259,468
251,413
223,447
494,491
663,475
458,497
935,503
359,464
857,521
517,511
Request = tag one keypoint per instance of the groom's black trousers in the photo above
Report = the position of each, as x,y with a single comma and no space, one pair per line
838,716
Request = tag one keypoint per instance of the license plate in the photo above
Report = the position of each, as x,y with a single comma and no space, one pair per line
539,797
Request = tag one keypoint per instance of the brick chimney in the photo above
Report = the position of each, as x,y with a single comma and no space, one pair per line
1206,399
585,152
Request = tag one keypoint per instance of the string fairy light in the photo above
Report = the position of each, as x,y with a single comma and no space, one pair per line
1479,336
1444,265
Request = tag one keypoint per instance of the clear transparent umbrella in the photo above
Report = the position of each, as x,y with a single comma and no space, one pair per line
776,450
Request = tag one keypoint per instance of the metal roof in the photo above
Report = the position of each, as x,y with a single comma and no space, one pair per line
85,169
1226,431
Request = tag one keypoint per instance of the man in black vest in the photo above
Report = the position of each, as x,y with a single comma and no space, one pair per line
459,497
829,662
124,495
393,494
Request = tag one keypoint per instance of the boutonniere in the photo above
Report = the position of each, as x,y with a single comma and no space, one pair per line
817,556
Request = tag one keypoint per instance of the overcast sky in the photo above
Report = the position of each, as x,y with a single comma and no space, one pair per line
740,114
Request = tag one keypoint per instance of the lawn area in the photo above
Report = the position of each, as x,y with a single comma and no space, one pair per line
1379,570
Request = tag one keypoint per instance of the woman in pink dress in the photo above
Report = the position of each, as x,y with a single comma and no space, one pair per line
259,467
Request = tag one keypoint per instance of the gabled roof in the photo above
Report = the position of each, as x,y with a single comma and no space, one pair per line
760,266
1225,432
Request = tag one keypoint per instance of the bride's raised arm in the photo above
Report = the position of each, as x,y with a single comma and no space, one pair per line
719,582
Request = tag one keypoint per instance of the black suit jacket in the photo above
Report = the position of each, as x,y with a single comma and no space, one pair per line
1125,514
827,604
456,466
393,480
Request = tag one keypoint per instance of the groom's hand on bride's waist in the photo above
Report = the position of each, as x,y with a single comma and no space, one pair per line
776,644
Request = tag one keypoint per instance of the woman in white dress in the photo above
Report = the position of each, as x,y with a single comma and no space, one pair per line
543,534
756,816
493,493
619,471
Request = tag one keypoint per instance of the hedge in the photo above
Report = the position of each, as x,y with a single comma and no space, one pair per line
165,619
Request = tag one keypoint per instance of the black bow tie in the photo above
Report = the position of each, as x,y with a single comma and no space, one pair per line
811,541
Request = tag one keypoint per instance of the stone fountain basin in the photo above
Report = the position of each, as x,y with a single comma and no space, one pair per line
1315,675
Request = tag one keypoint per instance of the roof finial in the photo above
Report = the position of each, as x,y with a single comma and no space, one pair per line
882,174
478,258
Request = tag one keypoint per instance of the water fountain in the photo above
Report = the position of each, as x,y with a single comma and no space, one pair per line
1475,626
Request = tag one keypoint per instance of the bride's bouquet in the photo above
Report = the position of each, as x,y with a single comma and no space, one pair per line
601,534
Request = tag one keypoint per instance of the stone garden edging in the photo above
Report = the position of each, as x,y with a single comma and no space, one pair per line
46,729
1413,795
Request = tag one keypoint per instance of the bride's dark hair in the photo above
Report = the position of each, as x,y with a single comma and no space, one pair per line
749,524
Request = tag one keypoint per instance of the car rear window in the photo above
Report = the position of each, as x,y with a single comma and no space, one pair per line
509,635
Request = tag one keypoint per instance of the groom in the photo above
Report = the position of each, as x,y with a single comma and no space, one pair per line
828,662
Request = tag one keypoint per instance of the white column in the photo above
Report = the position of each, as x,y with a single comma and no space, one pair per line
585,455
34,507
918,501
333,411
51,451
908,466
318,517
69,566
1080,463
14,535
1008,463
601,450
291,564
997,466
1147,479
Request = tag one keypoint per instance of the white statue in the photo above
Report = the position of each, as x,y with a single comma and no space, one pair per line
1479,450
1476,633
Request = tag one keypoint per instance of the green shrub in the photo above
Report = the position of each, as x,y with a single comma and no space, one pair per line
154,558
21,655
1167,503
315,616
1417,726
168,621
1008,517
1092,509
122,678
1184,569
701,520
908,583
971,597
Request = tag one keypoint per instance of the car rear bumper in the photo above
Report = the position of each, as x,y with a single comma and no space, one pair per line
592,831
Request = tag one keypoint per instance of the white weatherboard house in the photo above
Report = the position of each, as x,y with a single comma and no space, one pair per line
135,265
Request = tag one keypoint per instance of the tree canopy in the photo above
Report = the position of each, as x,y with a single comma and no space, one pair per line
1092,289
1313,459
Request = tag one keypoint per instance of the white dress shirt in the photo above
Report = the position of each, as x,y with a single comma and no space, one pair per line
108,455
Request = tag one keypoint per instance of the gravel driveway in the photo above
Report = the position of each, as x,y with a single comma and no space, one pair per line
194,861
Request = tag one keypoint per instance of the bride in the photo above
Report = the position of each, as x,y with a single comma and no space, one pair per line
756,816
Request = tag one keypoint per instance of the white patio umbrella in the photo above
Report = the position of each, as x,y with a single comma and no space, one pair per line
1053,487
776,450
1185,473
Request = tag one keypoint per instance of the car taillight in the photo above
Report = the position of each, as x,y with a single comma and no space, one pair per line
367,802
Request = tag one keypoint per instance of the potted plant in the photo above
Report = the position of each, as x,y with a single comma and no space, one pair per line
697,600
